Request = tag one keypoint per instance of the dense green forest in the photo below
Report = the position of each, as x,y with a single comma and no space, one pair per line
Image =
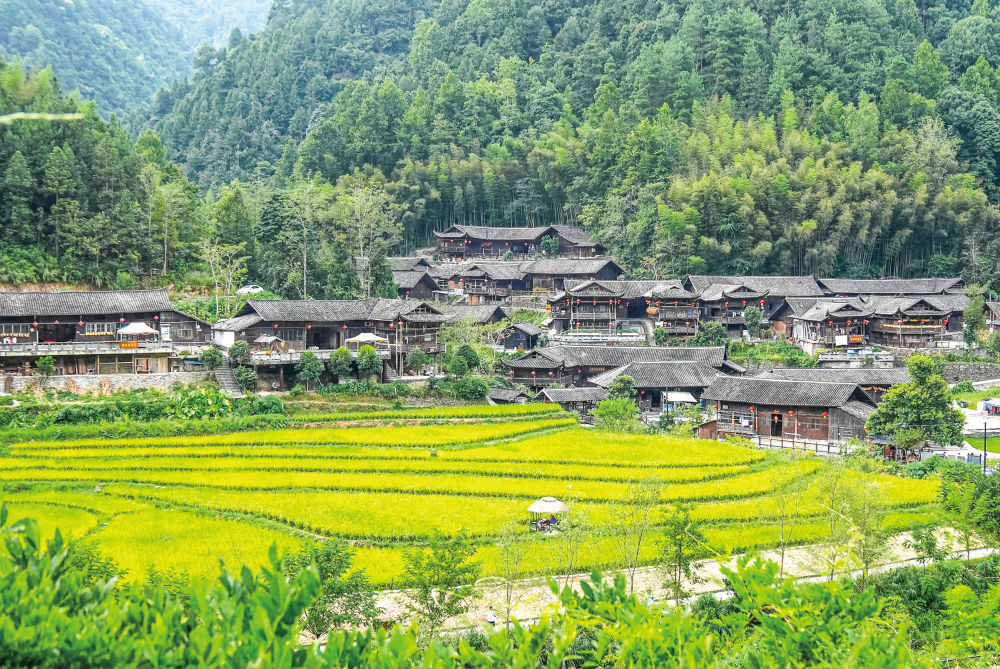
119,52
849,137
856,137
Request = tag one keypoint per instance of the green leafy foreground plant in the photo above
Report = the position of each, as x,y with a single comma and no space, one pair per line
54,618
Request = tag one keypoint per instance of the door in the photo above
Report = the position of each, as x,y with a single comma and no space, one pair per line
776,421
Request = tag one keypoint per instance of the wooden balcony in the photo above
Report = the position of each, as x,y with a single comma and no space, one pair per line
31,349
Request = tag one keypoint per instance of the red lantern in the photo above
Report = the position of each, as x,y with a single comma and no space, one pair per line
156,318
32,329
80,323
687,324
551,373
725,304
511,372
826,415
392,326
34,324
642,392
344,326
692,304
675,303
407,293
533,372
761,303
120,320
610,324
595,303
744,303
309,327
275,326
865,321
753,409
791,413
57,321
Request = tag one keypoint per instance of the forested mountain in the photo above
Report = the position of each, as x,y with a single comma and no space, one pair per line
119,52
211,21
850,137
79,201
857,137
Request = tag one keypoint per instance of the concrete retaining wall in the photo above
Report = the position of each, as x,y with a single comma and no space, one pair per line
84,383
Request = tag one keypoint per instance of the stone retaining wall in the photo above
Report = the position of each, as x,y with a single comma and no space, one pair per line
84,383
971,371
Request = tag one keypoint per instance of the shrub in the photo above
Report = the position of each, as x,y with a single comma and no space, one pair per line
309,368
467,353
416,359
340,363
46,365
271,404
211,357
963,387
458,367
204,402
238,352
470,389
617,415
297,390
246,377
661,336
369,363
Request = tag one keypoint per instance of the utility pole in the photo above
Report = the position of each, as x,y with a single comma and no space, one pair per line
984,447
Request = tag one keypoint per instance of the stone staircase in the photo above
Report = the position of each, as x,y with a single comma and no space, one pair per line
227,380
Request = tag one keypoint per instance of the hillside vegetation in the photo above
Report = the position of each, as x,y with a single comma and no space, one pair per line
836,137
119,52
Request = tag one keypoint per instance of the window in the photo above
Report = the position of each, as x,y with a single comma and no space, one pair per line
16,329
93,329
290,334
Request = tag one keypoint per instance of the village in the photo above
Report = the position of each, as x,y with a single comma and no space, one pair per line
587,326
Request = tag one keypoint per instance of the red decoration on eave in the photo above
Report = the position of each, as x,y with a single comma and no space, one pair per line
275,326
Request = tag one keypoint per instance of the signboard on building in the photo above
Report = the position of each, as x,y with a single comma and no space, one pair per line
857,339
129,344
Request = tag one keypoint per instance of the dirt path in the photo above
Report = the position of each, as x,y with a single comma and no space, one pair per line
534,597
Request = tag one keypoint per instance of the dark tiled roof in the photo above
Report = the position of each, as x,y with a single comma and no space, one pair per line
994,307
409,263
488,233
781,286
861,376
238,324
777,392
573,235
572,266
616,356
529,329
891,286
574,394
370,309
407,279
507,394
859,410
84,303
477,313
632,289
884,305
674,374
825,308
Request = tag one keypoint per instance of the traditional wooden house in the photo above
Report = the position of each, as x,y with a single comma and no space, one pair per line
583,400
604,305
663,385
521,337
325,325
873,381
412,276
827,323
507,396
897,287
993,316
724,298
785,410
84,331
915,322
470,241
575,365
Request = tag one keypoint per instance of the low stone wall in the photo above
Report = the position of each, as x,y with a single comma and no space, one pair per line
971,371
84,383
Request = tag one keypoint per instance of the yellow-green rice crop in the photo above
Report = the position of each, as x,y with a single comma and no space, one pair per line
744,485
424,465
188,542
417,435
507,411
88,501
72,523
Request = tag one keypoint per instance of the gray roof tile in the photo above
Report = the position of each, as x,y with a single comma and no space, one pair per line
83,303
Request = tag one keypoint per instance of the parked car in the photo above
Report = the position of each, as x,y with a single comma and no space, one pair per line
250,289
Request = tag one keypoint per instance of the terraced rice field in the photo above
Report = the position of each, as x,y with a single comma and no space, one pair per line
183,502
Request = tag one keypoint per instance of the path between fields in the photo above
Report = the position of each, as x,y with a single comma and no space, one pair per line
534,596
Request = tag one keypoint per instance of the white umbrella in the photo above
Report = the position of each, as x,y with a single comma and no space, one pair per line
137,328
548,505
365,337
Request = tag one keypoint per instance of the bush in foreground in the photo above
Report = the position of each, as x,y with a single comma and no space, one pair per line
53,617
